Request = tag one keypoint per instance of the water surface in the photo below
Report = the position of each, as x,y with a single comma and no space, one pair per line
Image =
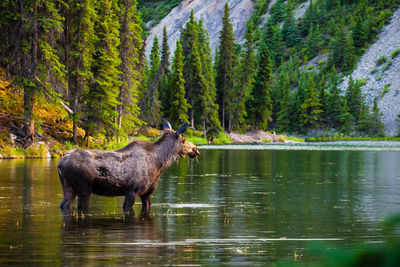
233,206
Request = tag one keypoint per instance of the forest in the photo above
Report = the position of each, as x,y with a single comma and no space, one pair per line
88,57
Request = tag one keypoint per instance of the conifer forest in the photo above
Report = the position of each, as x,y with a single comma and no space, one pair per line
88,56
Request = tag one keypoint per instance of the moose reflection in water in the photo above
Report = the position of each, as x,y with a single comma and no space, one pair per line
131,171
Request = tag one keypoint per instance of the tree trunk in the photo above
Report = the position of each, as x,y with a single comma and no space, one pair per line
28,125
223,116
204,128
192,114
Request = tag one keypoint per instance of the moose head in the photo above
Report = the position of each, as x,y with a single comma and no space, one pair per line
183,147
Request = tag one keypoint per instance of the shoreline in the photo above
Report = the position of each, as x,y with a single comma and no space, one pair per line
47,153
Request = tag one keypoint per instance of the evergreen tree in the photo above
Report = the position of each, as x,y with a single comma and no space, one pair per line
178,104
260,105
278,48
310,110
151,113
359,34
349,59
101,99
165,73
313,42
154,59
129,51
211,124
29,31
334,100
346,120
190,39
290,32
354,98
244,78
377,127
283,115
224,69
79,39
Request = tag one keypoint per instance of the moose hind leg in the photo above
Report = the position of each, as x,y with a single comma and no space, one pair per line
68,200
129,201
83,204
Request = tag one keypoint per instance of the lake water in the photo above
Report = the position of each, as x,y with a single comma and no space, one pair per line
236,206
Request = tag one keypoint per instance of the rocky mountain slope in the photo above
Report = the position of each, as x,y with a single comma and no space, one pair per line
211,12
380,76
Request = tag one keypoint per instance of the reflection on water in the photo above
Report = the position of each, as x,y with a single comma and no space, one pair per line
230,207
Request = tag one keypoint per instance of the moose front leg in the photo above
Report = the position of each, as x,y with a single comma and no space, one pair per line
146,202
130,198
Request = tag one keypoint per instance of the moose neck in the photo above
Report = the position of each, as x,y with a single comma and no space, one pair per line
166,154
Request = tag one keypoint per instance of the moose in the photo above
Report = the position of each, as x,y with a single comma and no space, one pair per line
131,171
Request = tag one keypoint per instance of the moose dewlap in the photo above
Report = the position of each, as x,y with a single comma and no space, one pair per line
131,171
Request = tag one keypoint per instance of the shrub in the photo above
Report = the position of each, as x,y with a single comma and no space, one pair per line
381,60
386,89
395,53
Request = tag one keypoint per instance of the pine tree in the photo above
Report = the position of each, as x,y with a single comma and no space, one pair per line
129,51
359,34
260,104
354,98
310,110
224,69
178,104
151,113
101,99
154,59
283,115
346,120
190,39
290,32
349,59
79,38
313,42
334,101
244,78
165,72
211,124
30,30
377,127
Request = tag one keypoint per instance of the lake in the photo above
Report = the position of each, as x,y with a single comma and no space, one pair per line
235,205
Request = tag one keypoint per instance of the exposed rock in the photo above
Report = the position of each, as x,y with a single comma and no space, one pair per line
211,12
255,137
377,77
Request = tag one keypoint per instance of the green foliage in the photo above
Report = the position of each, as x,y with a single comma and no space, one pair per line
178,106
385,90
260,104
395,53
382,59
156,10
310,109
224,69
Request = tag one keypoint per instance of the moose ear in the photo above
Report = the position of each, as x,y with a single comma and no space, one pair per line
182,129
167,125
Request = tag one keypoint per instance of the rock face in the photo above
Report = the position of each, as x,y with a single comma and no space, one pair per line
211,12
377,77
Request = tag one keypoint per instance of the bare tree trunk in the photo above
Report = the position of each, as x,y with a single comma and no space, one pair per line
223,116
28,125
192,114
204,128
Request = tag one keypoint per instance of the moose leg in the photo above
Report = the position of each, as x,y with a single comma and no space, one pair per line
130,198
68,199
146,203
83,204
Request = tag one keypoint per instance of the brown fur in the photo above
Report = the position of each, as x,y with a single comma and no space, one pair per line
131,171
